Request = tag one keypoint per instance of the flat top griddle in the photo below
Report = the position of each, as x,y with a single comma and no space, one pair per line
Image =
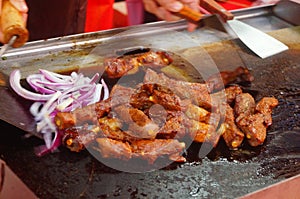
221,174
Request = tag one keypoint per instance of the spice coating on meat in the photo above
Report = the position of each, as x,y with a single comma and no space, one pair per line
110,148
76,139
129,64
255,119
196,92
231,133
244,104
148,150
218,81
138,122
265,106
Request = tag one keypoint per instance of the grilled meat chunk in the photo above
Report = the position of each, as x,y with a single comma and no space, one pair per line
116,67
219,81
76,139
149,94
204,132
138,122
173,128
254,120
80,116
265,106
197,93
231,133
244,104
231,93
254,128
148,150
113,128
197,113
110,148
90,114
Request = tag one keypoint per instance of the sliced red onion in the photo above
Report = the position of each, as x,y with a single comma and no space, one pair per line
43,150
34,108
60,93
46,107
64,104
39,86
55,77
14,80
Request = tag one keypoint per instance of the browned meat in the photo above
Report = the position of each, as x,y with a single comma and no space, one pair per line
149,94
197,113
141,99
244,104
231,133
112,128
80,116
265,106
254,120
254,128
110,148
228,95
173,128
203,132
129,64
197,93
150,150
138,122
231,93
219,81
76,139
90,114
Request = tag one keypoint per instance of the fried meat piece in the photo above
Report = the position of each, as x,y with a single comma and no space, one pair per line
148,150
110,148
138,122
254,120
76,139
228,95
254,128
196,92
231,93
204,132
129,64
231,133
219,81
149,94
197,113
172,128
112,128
244,104
88,114
265,106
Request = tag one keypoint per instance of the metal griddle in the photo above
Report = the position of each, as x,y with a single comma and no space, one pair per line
221,174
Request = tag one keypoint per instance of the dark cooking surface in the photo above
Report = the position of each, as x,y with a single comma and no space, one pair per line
222,174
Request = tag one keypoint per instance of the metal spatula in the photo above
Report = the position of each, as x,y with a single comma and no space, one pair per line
259,42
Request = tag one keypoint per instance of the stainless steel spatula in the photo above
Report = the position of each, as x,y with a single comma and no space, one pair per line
259,42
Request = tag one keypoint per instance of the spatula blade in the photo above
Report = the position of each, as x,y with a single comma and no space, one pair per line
259,42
